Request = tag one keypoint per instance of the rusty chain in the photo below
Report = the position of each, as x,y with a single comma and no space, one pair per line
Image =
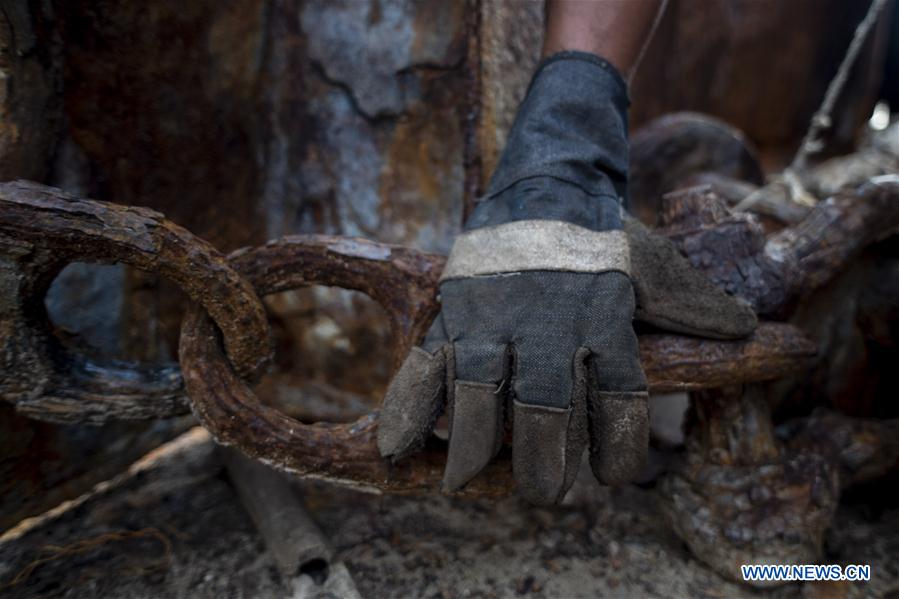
404,282
42,229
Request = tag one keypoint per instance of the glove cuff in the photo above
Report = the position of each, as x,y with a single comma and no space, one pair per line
588,57
528,245
571,126
566,156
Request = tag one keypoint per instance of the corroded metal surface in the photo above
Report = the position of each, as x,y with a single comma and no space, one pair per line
403,281
863,449
737,497
30,77
745,493
510,36
674,363
774,273
258,119
248,120
835,232
41,230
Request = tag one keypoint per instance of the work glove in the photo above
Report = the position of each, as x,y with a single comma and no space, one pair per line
538,298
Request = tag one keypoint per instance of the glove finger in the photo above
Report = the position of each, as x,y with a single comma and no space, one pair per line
617,399
416,397
476,411
619,429
549,439
475,434
674,296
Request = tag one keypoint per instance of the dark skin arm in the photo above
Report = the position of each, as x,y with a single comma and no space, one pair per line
617,30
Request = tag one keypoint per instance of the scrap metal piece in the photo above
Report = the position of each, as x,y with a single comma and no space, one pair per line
745,493
863,449
295,541
670,150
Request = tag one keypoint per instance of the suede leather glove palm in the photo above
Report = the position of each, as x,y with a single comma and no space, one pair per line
537,303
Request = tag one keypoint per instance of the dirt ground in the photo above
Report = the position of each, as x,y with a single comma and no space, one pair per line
173,527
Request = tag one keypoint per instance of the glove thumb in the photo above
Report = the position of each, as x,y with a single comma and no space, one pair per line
416,397
674,296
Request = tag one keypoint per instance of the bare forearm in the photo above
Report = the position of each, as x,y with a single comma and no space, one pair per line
614,29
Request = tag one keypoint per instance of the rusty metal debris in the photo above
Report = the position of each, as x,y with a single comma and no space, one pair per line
747,493
290,535
740,495
295,541
402,280
774,272
669,151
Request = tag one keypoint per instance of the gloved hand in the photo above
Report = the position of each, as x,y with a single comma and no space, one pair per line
537,302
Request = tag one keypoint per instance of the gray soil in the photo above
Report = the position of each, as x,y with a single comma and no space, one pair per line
173,527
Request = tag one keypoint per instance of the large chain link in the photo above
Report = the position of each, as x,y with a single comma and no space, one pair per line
42,230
